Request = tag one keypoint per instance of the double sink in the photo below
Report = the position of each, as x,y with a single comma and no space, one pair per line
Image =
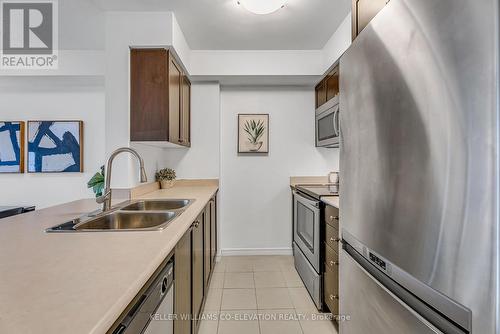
142,215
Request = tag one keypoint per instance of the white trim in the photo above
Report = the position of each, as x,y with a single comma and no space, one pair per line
256,251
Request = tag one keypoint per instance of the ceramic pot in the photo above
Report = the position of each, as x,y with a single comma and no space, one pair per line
165,184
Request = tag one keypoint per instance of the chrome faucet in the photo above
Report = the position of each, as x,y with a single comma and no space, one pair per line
105,199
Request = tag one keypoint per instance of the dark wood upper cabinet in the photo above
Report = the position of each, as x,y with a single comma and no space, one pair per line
328,87
320,93
174,100
332,84
160,98
185,137
363,11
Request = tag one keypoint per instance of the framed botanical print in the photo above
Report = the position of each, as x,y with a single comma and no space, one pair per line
253,133
55,146
11,147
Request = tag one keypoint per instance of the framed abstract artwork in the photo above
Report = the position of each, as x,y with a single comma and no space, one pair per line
55,146
253,133
11,147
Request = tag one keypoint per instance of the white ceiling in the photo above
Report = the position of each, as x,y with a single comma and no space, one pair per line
225,25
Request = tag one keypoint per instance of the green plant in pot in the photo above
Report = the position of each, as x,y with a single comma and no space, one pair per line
166,177
97,183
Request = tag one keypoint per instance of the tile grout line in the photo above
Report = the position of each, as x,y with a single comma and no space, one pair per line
256,302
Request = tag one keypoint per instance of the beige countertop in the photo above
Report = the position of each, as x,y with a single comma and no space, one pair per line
331,200
298,180
81,282
307,180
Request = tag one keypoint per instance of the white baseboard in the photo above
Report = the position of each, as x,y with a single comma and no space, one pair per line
255,251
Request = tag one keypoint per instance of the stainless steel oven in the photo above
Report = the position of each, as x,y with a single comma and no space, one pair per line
306,243
327,124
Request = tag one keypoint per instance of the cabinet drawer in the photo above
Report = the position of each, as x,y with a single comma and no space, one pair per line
331,257
332,237
332,216
331,290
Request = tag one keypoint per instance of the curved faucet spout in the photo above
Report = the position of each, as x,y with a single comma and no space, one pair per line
106,197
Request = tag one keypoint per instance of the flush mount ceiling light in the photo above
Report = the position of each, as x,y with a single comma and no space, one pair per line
262,7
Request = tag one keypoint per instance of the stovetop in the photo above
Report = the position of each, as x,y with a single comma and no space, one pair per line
319,190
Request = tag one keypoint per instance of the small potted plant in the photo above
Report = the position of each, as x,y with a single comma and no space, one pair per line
166,177
97,182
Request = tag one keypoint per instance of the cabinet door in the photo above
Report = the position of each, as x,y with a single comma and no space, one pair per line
182,276
331,289
213,233
332,84
148,96
186,112
198,273
365,11
207,240
320,93
174,100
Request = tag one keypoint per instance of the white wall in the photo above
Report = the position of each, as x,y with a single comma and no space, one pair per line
43,98
256,62
338,43
202,160
255,198
125,29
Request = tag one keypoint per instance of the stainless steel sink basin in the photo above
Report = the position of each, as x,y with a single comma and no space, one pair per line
142,215
157,205
127,221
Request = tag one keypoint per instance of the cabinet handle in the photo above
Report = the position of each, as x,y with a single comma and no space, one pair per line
334,239
196,223
332,263
333,297
332,218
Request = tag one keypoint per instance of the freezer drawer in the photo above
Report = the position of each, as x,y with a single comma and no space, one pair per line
371,307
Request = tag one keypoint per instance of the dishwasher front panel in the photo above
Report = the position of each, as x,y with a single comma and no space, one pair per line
162,322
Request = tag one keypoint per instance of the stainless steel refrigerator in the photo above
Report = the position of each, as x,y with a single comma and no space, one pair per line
419,169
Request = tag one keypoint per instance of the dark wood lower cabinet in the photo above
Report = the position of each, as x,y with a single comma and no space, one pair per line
182,293
198,270
208,261
331,290
213,231
194,262
331,249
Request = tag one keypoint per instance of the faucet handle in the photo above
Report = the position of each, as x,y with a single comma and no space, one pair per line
101,199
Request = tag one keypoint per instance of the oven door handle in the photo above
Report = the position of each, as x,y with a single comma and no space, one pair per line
306,201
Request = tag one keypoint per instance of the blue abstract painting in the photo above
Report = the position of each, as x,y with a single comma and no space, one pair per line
11,147
55,146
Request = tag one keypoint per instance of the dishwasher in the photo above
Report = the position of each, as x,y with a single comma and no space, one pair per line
153,311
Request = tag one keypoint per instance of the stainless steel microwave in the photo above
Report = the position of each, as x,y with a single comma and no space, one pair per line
327,124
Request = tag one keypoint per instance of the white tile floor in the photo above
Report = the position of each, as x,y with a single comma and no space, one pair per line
260,295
